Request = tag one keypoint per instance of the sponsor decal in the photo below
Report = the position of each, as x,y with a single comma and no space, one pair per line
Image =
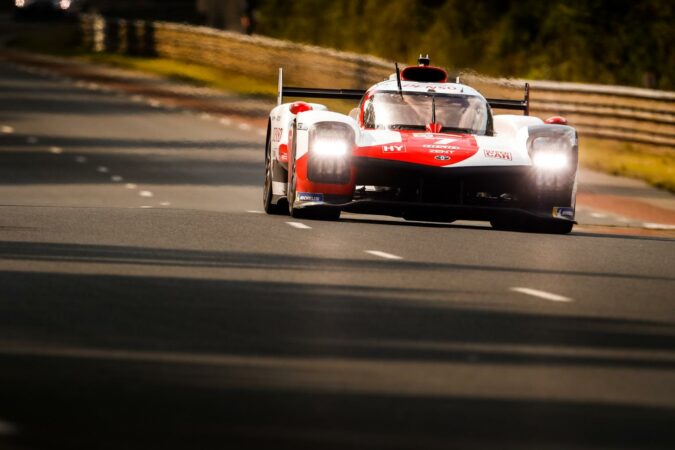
563,212
496,154
393,149
276,134
440,147
310,197
441,152
442,157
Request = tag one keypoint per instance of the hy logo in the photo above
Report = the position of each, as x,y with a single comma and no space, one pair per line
393,149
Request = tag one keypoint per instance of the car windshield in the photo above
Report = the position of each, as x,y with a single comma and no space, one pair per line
391,110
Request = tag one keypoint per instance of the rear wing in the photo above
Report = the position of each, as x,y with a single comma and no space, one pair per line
517,105
348,94
357,94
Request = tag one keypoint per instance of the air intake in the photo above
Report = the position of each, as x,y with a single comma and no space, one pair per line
424,74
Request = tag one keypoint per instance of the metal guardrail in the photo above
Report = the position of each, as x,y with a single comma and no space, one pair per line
609,112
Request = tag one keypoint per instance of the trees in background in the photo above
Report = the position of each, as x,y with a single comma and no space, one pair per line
628,42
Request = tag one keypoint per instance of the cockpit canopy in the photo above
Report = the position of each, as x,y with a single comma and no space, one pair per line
414,110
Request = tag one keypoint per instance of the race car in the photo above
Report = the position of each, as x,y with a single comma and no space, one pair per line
421,148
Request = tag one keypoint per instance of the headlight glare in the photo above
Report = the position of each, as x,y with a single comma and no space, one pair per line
329,147
550,160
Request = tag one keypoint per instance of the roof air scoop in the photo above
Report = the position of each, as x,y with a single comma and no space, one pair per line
424,72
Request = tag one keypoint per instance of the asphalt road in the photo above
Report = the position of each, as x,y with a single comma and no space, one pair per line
145,302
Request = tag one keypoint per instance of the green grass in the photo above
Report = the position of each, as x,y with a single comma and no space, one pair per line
653,164
188,72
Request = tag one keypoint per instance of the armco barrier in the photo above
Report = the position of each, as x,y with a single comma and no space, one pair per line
609,112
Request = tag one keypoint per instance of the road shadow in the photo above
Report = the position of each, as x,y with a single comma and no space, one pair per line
105,400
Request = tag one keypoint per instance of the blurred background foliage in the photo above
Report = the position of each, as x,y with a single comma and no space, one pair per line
624,42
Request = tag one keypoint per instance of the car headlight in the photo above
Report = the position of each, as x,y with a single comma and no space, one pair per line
553,149
20,3
550,160
330,147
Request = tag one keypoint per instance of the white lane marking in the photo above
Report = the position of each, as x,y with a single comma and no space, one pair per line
154,103
165,204
244,126
93,86
299,225
116,178
255,211
206,116
146,207
80,159
6,129
598,215
145,194
32,140
130,186
7,429
102,169
383,254
541,294
225,121
55,150
658,226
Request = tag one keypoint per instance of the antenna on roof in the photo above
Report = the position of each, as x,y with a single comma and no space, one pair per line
398,79
424,60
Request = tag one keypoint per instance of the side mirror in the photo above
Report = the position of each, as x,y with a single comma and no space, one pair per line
299,107
556,120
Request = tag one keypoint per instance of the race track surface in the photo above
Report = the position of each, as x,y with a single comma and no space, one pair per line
146,302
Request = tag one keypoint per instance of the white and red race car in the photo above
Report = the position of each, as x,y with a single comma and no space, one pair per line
420,148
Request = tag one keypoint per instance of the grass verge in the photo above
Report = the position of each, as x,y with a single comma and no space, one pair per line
653,164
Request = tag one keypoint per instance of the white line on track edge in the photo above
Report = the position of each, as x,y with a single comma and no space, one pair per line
299,225
541,294
382,254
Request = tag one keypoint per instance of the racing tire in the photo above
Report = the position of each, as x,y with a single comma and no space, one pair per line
270,208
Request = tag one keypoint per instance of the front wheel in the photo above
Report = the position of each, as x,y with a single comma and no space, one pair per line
270,208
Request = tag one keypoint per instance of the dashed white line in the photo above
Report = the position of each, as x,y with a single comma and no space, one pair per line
130,186
145,194
206,116
80,159
165,204
55,150
102,169
299,225
541,294
598,215
32,140
255,211
6,129
244,126
146,207
225,121
116,178
658,226
384,255
154,103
